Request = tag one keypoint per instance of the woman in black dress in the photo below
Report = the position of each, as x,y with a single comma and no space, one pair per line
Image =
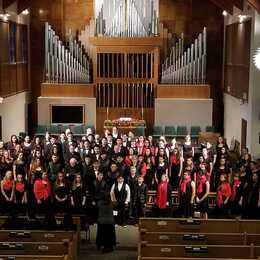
149,176
202,192
20,195
7,193
106,235
78,196
186,195
61,193
19,166
176,163
187,148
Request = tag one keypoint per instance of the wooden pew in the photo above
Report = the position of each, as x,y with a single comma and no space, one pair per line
189,225
33,257
198,251
35,248
69,237
184,258
183,238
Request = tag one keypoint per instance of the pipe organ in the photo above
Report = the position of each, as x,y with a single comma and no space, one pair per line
125,79
126,18
186,67
65,63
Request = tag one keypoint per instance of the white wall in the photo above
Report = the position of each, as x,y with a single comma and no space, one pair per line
234,112
44,106
186,112
13,111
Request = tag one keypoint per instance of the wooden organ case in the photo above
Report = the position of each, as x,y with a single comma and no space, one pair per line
125,74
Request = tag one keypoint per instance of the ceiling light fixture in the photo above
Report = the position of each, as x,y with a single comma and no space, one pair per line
225,13
25,12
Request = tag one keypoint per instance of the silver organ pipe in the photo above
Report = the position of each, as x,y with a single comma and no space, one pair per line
126,18
65,64
189,66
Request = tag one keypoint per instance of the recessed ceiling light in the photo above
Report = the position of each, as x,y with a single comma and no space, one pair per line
25,12
225,13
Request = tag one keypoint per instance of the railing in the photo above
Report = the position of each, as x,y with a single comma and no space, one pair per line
186,67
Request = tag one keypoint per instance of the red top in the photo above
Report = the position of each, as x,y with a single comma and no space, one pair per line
183,185
8,184
174,159
162,195
19,186
223,192
42,190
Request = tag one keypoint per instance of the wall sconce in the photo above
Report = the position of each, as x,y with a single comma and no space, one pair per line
256,58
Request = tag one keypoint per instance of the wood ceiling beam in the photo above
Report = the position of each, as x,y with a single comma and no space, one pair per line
224,5
7,3
239,4
255,4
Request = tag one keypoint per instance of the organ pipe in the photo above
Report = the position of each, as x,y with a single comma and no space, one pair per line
65,64
186,67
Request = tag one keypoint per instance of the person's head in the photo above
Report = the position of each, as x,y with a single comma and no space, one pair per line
86,144
223,178
222,162
236,176
62,136
100,176
161,152
119,141
109,138
73,162
91,138
141,139
131,151
96,150
247,157
134,159
20,156
52,140
14,139
60,177
187,138
114,130
252,165
133,170
204,151
19,177
54,158
140,179
69,136
1,144
103,141
147,152
255,177
8,175
38,154
103,155
220,140
87,160
113,167
201,159
55,149
71,148
27,139
89,131
96,166
120,179
161,160
77,178
223,150
175,151
45,176
203,167
140,158
6,154
186,174
37,140
124,138
164,178
119,159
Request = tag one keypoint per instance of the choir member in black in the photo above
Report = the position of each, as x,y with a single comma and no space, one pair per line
190,167
176,163
61,192
12,144
106,235
78,195
27,148
104,162
254,198
20,195
7,193
120,195
220,144
54,167
187,195
221,169
162,168
112,175
132,180
235,196
72,169
187,148
223,196
19,166
163,197
149,176
99,187
202,192
140,197
6,163
43,193
88,175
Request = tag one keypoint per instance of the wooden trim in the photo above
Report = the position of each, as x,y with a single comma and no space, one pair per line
126,41
67,90
183,91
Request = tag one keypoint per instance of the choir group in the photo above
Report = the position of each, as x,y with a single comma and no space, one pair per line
69,175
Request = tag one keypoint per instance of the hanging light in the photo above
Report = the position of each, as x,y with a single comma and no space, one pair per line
4,16
256,58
